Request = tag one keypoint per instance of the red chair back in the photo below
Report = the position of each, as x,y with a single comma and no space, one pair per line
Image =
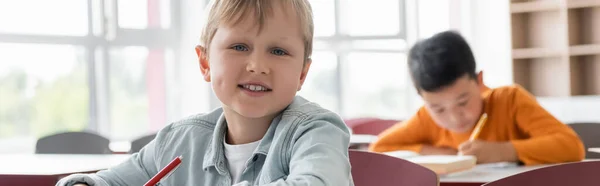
572,174
375,169
371,126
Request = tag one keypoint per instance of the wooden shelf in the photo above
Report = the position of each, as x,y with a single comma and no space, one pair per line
534,6
538,30
584,26
526,53
582,3
584,75
542,76
584,46
556,46
579,50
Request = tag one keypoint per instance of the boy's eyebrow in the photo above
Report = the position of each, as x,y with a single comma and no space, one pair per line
434,105
463,95
239,32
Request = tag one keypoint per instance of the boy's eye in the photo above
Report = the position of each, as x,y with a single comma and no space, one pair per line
439,111
279,52
462,103
240,48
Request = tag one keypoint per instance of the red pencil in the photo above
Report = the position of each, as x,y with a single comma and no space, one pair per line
164,172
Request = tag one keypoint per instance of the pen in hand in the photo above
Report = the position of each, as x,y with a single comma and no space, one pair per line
163,173
477,129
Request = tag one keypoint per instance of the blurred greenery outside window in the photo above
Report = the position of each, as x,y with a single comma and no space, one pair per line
74,65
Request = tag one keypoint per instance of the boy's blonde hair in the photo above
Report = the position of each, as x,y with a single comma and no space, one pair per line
234,11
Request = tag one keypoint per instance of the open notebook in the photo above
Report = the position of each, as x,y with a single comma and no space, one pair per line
440,164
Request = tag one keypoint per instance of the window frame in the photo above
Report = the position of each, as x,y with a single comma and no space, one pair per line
98,45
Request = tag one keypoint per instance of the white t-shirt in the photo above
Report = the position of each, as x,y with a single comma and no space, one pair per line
236,156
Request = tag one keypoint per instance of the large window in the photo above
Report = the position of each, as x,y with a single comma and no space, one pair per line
44,89
99,65
359,62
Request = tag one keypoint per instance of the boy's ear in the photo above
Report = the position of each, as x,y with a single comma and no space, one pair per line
480,84
203,60
480,78
304,72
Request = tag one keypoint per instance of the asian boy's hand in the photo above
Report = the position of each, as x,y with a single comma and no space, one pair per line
489,152
431,150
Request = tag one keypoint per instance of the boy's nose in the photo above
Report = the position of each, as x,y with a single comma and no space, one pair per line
453,119
456,117
257,67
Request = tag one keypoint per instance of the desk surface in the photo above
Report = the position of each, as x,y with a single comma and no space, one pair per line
362,139
38,164
485,174
596,149
51,164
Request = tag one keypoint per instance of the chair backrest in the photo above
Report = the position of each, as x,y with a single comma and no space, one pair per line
575,174
358,121
73,143
371,126
369,168
590,135
138,144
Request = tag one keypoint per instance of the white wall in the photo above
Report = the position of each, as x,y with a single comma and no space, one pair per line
486,26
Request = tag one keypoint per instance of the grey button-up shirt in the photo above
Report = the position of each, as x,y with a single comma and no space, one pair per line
305,145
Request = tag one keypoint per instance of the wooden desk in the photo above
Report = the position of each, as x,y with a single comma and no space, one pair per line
361,141
597,149
46,169
483,174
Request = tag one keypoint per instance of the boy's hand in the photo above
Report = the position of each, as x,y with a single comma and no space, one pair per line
431,150
489,152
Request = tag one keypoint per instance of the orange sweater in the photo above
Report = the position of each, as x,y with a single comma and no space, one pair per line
513,115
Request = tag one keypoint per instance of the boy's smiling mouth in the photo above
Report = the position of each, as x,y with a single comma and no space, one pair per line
254,87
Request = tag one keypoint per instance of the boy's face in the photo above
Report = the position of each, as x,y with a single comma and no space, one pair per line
458,106
257,74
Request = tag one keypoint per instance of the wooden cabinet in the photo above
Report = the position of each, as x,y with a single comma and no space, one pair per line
556,46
